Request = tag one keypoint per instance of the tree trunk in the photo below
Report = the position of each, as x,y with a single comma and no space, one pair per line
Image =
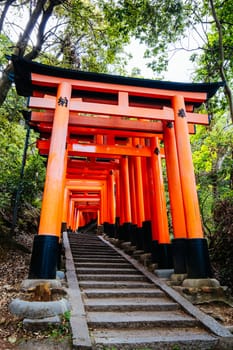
20,49
6,82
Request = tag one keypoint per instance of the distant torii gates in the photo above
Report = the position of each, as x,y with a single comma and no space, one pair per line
103,136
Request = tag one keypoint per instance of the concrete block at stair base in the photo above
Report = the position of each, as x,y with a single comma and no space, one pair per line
200,282
125,245
145,259
38,309
31,283
115,242
203,290
41,324
137,253
178,278
128,247
164,273
152,267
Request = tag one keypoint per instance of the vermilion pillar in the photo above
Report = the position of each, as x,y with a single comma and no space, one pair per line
176,199
139,186
55,168
111,204
187,177
125,192
111,197
105,198
71,213
45,248
62,201
139,191
152,201
65,209
132,191
197,251
118,197
159,208
126,217
147,225
174,183
140,210
147,232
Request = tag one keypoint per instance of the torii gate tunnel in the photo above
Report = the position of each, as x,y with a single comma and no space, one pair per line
105,138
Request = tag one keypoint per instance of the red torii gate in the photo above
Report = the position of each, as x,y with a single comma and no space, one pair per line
97,118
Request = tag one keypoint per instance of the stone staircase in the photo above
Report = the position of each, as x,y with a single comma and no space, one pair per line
125,309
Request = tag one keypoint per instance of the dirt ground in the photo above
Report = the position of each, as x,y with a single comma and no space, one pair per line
13,269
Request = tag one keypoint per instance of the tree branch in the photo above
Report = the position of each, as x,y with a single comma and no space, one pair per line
40,34
24,38
4,12
20,48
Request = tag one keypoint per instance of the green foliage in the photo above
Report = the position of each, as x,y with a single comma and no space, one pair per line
213,160
11,143
221,245
212,157
211,60
63,329
12,140
6,48
155,23
87,41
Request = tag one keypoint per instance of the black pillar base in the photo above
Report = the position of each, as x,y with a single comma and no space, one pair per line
155,251
111,230
120,233
147,236
105,227
117,225
198,262
44,257
126,231
133,234
165,256
179,252
139,238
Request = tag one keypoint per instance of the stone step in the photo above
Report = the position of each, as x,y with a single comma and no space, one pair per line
144,292
115,284
125,310
154,339
91,248
137,319
80,244
106,271
130,304
101,264
97,250
113,277
103,260
96,256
